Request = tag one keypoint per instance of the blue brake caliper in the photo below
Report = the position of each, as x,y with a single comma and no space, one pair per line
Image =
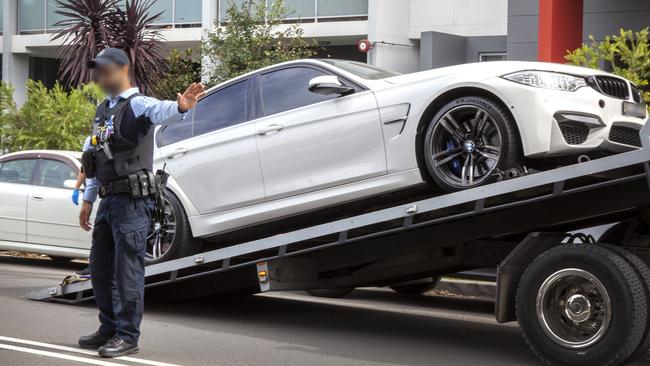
455,164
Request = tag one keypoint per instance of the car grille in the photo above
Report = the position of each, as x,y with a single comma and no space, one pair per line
574,135
614,87
625,135
636,94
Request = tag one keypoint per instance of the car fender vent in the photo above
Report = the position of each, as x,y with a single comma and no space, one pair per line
625,135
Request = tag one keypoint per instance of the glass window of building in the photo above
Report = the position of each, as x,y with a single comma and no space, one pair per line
342,8
165,9
301,9
31,15
2,6
188,12
52,16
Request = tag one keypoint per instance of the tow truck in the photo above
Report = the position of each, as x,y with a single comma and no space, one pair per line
577,301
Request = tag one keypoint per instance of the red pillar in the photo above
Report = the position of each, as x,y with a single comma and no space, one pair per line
560,28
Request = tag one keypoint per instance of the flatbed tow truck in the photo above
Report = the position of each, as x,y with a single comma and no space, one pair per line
578,302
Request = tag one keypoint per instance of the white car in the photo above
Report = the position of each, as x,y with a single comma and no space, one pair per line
303,135
36,209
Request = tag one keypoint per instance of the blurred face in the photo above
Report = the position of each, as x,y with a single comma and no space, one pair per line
112,78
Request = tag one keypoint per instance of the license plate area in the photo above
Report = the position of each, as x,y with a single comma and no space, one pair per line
635,109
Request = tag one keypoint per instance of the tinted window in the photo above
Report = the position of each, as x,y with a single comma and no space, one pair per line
287,89
54,173
223,108
17,171
175,131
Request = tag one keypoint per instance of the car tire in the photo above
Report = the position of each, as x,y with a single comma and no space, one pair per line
470,134
597,279
183,243
331,293
416,288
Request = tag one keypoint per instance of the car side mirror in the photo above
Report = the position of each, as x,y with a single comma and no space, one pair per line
70,184
328,85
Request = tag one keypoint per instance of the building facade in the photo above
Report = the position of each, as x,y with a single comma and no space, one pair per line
407,35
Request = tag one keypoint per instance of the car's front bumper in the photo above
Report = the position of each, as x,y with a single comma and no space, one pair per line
554,123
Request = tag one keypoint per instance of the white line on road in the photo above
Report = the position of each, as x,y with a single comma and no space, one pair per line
82,351
58,355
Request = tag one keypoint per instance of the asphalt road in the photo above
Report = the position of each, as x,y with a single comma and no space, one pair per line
371,327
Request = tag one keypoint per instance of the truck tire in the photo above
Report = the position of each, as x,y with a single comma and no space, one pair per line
416,288
643,271
183,242
582,304
331,293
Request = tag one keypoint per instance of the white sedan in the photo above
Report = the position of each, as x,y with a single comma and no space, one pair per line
304,135
36,209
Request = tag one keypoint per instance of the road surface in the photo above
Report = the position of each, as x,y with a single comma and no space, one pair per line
371,327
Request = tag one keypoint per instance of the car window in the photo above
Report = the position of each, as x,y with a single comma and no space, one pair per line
54,173
287,89
176,131
223,108
17,171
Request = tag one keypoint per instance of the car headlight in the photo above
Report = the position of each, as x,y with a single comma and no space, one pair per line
547,80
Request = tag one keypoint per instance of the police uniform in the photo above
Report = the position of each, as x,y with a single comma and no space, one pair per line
122,177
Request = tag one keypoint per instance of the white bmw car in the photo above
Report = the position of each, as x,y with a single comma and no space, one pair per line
303,135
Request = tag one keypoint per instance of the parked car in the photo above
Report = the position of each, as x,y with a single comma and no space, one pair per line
36,210
302,135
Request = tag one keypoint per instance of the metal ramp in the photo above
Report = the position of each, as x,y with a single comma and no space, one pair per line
599,191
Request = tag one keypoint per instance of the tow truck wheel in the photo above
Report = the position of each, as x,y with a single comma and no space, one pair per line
643,271
582,304
332,293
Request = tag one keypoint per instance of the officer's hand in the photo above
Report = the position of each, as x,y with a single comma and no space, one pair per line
188,99
75,197
84,215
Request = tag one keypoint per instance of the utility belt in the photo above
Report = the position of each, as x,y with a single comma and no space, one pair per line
140,185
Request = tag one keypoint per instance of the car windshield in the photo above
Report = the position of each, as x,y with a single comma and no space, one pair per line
362,70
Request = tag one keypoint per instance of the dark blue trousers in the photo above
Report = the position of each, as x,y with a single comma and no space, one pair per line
117,257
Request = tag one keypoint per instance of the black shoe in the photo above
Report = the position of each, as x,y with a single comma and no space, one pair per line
94,340
117,347
84,273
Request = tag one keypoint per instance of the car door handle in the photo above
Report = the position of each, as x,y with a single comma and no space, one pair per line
270,129
177,153
38,198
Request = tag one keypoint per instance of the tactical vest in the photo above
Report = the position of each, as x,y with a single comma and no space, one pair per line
131,142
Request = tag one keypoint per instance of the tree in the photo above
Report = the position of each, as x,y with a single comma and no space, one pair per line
626,54
254,36
50,119
183,69
92,25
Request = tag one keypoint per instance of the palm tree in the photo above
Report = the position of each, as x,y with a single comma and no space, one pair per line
92,25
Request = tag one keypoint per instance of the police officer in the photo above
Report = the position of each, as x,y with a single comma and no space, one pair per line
121,159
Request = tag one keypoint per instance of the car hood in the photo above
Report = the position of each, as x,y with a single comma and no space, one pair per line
484,70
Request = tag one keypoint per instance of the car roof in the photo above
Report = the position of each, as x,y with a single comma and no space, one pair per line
74,155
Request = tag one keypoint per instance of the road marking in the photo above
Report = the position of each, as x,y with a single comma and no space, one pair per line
58,355
82,351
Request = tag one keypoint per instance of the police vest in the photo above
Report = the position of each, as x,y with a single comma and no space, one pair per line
131,143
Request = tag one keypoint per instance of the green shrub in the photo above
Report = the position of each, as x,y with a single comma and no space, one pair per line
626,54
50,119
183,69
255,36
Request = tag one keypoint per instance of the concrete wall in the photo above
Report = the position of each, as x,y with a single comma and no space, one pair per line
388,30
460,17
522,29
601,18
443,49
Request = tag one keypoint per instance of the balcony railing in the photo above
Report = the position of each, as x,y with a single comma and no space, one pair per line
312,10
